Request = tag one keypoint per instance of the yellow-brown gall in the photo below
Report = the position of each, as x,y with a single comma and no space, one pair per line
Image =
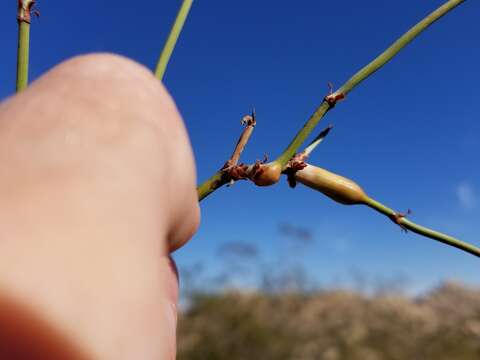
336,187
266,174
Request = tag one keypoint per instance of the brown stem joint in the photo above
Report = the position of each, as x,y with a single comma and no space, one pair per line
333,97
25,10
295,164
397,217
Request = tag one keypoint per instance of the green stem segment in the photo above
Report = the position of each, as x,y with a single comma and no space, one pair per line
23,18
302,135
398,45
421,230
172,38
22,56
210,185
364,73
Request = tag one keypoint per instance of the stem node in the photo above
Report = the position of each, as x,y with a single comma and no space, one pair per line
397,218
24,13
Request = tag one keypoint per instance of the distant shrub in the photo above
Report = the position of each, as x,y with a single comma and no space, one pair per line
441,325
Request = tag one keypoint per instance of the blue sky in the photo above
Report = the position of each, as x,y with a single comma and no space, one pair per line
409,135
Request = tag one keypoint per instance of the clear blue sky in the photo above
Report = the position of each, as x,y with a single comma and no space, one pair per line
410,134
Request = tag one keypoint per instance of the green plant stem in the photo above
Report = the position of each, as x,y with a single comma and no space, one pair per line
304,132
172,38
22,55
356,79
398,45
210,185
421,230
364,73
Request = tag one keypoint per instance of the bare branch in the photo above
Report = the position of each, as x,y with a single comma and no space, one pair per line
249,121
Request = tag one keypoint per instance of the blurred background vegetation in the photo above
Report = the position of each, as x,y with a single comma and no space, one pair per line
249,307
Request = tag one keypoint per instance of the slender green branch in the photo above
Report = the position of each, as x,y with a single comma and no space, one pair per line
421,230
172,39
361,75
22,55
210,185
300,138
23,18
330,100
398,45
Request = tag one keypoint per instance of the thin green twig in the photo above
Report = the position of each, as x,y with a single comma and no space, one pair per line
398,45
172,39
22,55
210,185
301,136
23,18
421,230
361,75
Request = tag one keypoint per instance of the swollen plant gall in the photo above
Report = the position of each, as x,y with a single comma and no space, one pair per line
336,187
266,174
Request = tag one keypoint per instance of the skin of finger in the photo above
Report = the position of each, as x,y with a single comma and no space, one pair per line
98,174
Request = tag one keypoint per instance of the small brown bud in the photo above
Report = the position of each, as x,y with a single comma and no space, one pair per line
336,187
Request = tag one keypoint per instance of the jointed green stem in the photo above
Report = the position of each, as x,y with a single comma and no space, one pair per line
23,18
361,75
172,38
212,184
421,230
